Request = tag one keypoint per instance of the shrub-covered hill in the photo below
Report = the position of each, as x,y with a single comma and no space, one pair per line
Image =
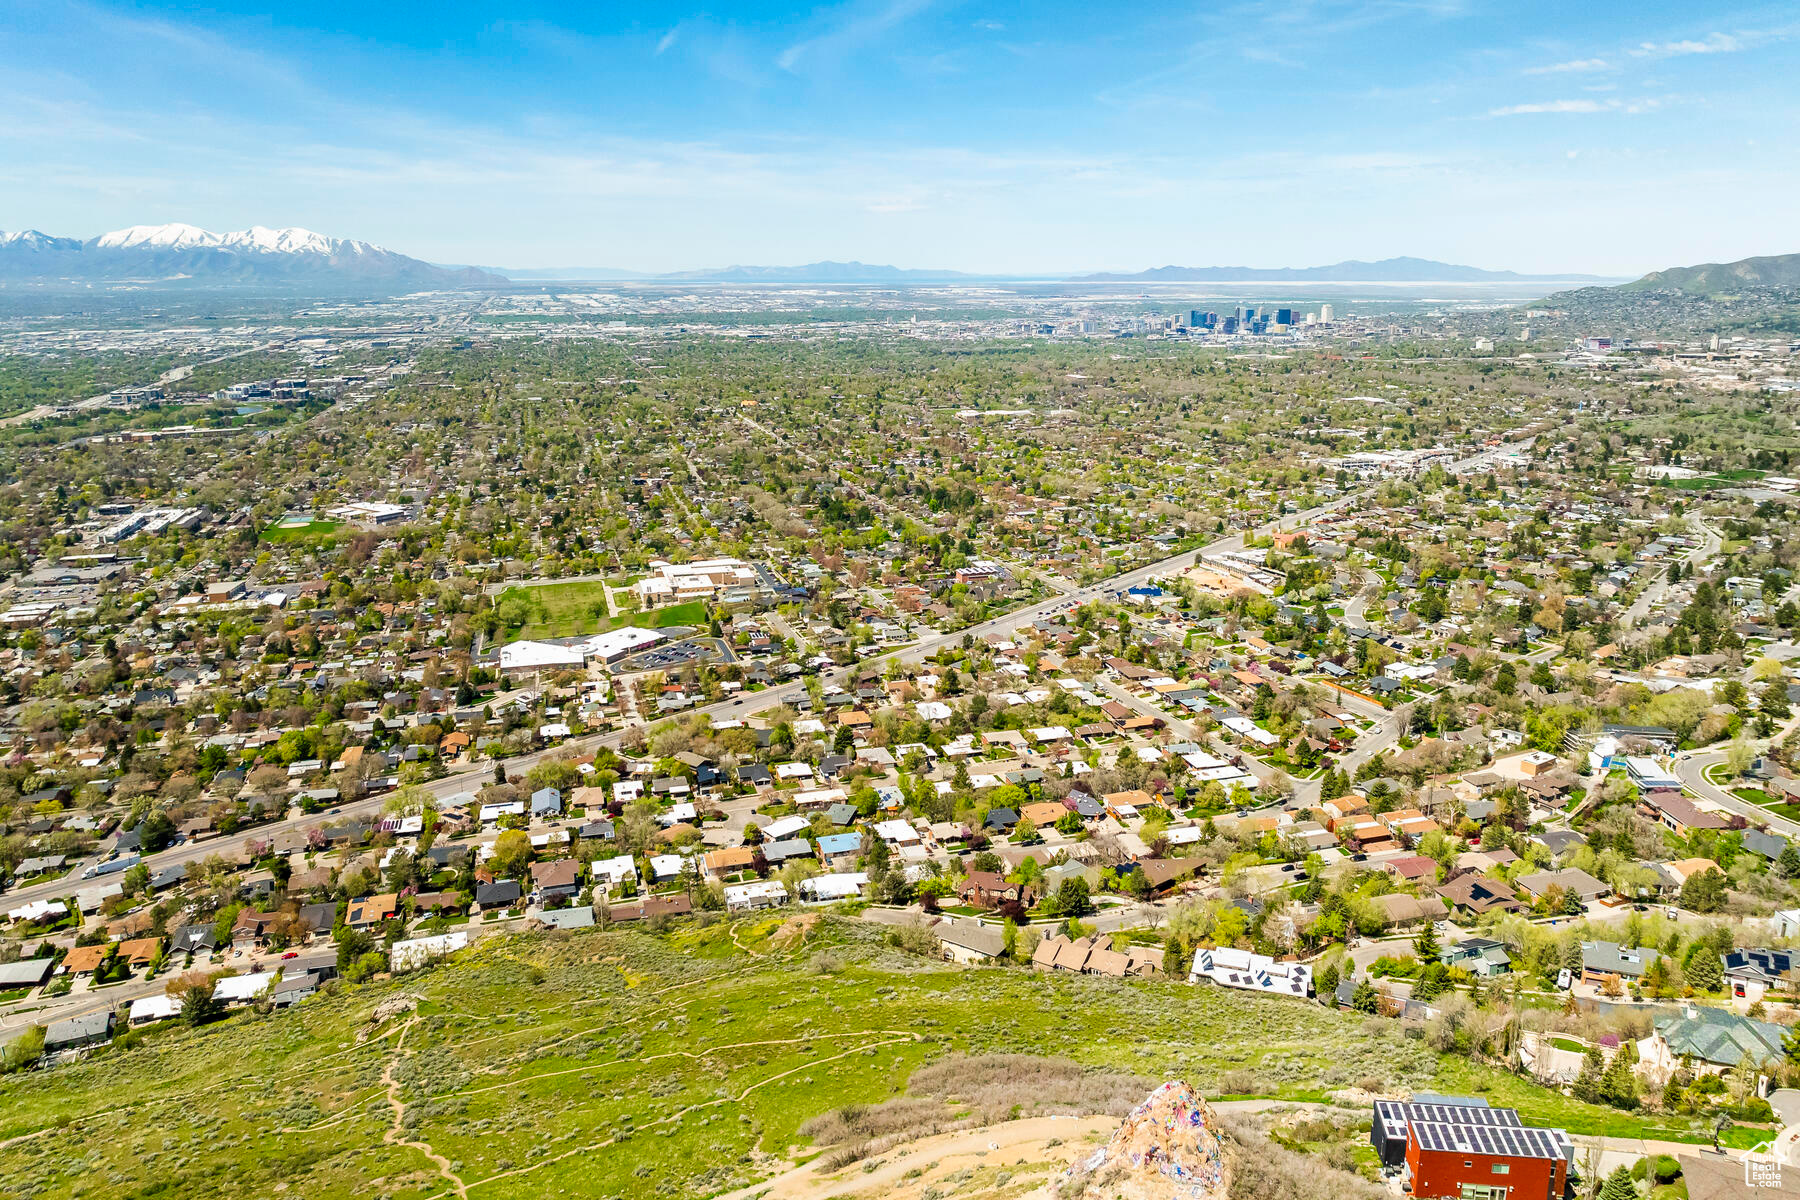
612,1063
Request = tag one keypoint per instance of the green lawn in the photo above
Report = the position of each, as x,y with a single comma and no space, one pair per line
574,609
554,610
312,531
691,613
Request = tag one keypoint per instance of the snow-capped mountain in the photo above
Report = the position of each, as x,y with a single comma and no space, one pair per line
178,254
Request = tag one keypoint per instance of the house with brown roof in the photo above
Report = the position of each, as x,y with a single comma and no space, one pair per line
987,889
718,864
1095,956
648,907
84,960
1477,894
557,879
371,910
140,952
1164,873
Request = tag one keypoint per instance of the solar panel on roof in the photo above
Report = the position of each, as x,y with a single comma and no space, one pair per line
1504,1141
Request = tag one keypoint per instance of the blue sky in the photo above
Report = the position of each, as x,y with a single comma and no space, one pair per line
1604,137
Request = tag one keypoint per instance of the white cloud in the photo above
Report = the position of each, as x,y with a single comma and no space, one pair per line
856,26
1715,43
667,40
1579,64
1551,106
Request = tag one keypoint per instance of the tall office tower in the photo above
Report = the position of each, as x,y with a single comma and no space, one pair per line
1325,314
1284,316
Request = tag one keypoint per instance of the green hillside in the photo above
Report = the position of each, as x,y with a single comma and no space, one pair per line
1712,279
611,1063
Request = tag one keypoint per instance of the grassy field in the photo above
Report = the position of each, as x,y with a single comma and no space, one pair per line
574,609
611,1063
555,609
313,531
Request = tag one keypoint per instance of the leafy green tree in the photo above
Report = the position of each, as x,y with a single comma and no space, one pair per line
198,1005
1704,892
1364,999
1425,946
352,944
512,851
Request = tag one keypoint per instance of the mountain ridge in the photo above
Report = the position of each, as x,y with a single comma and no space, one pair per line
181,254
1766,270
1387,270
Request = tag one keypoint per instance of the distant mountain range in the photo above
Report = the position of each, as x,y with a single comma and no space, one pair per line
818,272
1712,279
184,254
1388,270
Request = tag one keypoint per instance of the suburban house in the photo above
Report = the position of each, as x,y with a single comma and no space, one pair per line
987,889
1750,974
558,879
371,911
1711,1040
1235,968
1601,961
1478,894
1481,957
969,942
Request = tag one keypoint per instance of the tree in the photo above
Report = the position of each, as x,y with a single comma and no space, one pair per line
1426,944
156,832
512,850
1364,1000
1071,899
195,992
1619,1185
1704,892
352,944
1327,980
1593,1069
1703,967
1618,1086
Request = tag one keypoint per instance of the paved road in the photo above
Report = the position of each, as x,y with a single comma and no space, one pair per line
1691,770
119,997
1658,587
471,778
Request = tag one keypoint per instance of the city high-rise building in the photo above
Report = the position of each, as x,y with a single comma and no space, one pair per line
1284,316
1325,314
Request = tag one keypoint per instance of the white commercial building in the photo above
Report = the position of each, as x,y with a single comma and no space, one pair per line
676,583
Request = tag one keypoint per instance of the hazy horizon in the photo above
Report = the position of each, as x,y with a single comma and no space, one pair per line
944,136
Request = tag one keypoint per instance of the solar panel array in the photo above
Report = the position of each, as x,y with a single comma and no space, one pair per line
1395,1114
1515,1141
1461,1114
